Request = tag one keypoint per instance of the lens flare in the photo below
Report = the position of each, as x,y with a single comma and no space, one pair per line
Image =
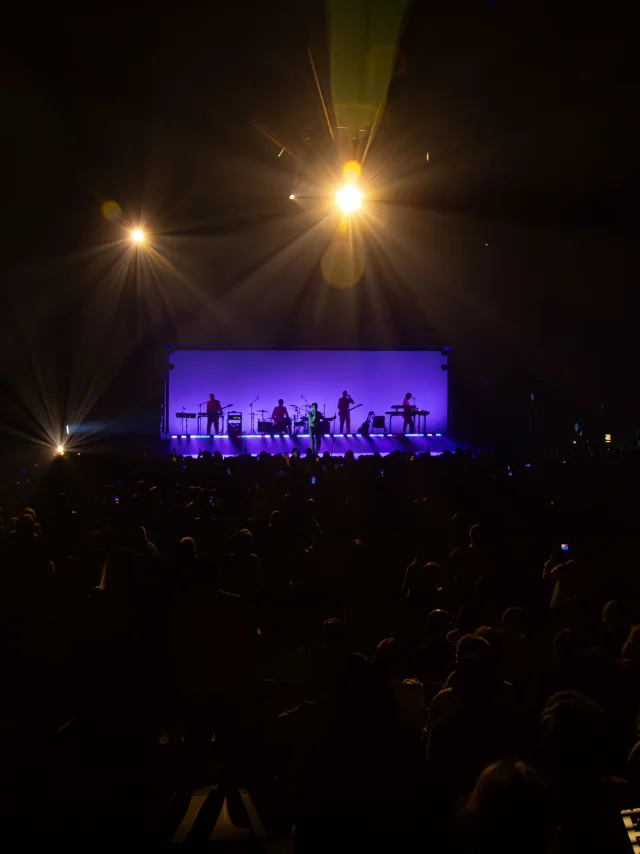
137,235
342,263
349,198
351,171
111,210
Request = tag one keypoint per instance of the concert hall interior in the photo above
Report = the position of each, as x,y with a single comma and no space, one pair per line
248,384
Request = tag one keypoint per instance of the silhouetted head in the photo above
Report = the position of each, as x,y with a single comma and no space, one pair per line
567,649
477,536
25,527
389,658
476,667
212,396
613,616
187,548
243,541
495,638
510,809
574,734
514,622
438,624
408,395
275,520
631,649
469,645
280,402
334,634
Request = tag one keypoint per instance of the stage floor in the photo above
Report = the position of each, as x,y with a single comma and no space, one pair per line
337,445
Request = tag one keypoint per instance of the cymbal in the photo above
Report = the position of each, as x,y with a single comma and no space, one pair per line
262,411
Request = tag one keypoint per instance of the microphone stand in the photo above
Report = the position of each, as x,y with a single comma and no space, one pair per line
308,408
200,405
257,397
333,432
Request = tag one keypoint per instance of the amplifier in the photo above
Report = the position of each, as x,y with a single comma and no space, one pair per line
379,421
234,424
265,426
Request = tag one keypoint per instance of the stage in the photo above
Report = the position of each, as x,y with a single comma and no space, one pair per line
337,445
247,385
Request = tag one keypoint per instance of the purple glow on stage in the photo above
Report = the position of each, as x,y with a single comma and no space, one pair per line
375,378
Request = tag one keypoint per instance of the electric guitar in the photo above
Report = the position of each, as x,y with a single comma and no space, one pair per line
218,411
355,407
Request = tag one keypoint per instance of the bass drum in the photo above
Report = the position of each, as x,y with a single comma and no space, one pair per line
283,426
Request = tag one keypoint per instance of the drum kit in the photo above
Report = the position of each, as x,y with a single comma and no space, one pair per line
297,426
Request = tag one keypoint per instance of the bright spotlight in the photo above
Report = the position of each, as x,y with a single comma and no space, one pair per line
137,235
292,196
60,450
349,198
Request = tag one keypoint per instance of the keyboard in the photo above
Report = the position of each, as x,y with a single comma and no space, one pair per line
411,412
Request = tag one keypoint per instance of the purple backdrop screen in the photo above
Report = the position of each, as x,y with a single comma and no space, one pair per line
375,378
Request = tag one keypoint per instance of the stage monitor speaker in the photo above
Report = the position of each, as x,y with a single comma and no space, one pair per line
265,426
378,421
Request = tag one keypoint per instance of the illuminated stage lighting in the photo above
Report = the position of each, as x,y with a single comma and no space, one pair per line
60,450
349,198
292,196
137,235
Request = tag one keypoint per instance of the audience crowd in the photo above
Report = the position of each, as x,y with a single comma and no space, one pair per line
439,653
